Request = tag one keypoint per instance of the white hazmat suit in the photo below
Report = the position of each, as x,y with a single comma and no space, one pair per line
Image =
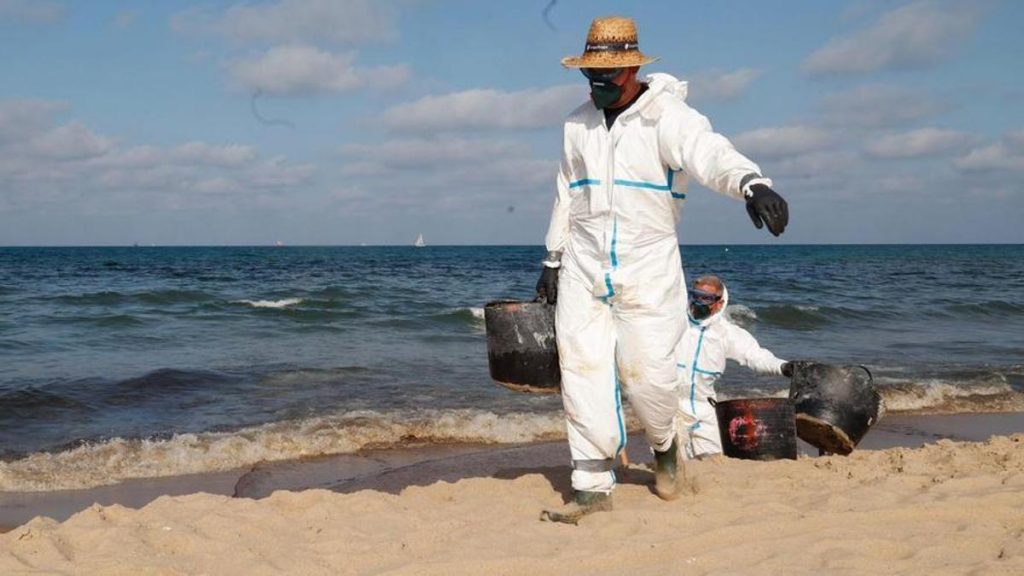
621,287
702,353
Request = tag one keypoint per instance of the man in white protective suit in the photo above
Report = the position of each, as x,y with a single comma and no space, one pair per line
613,267
706,345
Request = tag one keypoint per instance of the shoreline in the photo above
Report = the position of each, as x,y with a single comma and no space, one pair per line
391,471
947,507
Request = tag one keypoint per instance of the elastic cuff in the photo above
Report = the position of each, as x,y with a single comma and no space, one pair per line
751,179
604,465
664,446
553,259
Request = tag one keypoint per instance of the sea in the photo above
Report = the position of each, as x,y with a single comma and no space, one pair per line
139,362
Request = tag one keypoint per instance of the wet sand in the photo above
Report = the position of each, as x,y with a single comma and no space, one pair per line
393,470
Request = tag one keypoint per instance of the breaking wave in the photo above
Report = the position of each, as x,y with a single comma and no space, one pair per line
935,396
469,316
118,459
283,303
741,315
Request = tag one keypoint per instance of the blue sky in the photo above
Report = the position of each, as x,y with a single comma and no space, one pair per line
363,121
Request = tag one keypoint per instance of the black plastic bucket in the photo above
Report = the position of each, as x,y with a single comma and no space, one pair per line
521,348
835,405
756,428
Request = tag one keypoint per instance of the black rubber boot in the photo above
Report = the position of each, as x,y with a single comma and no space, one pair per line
666,472
583,503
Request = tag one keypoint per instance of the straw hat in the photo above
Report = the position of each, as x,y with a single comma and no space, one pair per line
611,43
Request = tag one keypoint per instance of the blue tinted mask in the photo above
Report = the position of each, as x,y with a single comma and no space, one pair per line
701,303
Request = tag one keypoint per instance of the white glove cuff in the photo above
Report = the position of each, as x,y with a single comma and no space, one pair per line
750,180
553,259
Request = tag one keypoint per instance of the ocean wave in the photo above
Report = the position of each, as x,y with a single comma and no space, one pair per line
333,305
468,316
100,321
13,344
26,399
283,303
808,317
172,297
113,298
105,298
343,293
158,383
91,394
313,376
986,309
992,393
118,459
741,315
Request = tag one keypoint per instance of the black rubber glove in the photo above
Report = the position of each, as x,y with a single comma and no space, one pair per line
787,369
547,286
765,206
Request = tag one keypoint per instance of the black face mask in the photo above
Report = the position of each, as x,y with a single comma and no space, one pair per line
699,310
701,303
604,94
603,91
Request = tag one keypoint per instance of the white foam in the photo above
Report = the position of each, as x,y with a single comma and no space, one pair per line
120,459
740,314
477,313
933,395
753,393
271,303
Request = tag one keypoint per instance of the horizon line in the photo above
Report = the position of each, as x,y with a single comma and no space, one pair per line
494,245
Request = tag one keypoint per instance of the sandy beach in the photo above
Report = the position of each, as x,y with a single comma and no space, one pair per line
946,507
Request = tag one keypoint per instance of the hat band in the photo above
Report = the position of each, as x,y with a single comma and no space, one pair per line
616,47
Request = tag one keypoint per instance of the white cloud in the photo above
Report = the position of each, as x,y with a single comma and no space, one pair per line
279,173
914,143
878,105
1001,156
295,70
1015,138
443,174
39,11
721,87
777,142
818,167
131,157
487,109
21,119
45,162
912,36
71,142
203,153
218,185
432,152
339,21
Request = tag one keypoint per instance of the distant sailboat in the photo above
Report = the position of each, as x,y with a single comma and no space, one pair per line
419,243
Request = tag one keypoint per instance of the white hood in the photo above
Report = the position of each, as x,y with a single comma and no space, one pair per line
661,82
657,84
